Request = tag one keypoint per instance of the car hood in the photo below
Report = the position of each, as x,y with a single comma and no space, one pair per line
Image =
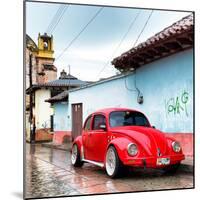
152,141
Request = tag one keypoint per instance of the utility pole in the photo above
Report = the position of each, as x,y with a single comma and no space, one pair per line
69,68
32,124
69,78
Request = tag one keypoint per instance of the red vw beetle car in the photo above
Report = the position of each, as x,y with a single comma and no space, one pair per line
117,137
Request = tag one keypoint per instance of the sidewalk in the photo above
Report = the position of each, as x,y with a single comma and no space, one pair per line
186,165
64,147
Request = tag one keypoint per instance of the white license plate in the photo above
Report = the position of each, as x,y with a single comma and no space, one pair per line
163,161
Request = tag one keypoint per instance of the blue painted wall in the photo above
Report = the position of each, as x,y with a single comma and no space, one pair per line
61,118
167,87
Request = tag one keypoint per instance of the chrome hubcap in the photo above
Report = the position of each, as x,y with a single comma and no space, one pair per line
74,154
110,161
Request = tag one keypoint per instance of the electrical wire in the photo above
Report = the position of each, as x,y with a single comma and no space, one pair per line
54,19
121,41
130,89
126,35
136,88
139,93
82,30
135,85
143,28
60,17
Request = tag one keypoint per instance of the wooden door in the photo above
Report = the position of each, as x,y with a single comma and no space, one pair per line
76,120
51,123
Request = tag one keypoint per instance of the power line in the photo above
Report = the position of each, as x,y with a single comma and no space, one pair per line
54,18
126,35
118,46
60,17
136,88
76,37
143,28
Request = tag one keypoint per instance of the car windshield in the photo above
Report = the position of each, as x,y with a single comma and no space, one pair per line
127,118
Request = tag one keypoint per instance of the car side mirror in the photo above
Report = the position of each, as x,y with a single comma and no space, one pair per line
103,127
154,127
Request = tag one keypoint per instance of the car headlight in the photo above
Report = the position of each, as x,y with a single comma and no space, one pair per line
132,149
176,146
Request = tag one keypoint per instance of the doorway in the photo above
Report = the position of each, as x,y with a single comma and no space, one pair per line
77,113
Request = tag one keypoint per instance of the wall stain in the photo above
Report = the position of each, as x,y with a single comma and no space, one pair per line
177,105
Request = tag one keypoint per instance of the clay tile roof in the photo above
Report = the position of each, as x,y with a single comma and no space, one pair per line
59,83
177,37
64,82
60,97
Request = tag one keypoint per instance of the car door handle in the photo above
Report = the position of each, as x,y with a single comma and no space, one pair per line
91,133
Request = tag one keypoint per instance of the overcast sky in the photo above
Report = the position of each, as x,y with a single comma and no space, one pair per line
95,47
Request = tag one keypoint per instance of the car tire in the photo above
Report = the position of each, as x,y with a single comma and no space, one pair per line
75,156
113,164
171,169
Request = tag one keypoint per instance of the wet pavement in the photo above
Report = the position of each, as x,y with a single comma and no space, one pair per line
49,173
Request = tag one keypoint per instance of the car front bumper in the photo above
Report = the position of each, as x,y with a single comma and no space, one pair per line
154,162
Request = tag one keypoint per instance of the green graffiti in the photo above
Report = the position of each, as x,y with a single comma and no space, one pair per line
178,104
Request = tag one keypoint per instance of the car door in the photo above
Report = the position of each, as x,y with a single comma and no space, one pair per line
86,136
98,138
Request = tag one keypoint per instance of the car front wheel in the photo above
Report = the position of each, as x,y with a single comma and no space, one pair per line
75,156
113,163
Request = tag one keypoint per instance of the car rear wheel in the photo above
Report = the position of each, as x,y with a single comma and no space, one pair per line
75,156
113,163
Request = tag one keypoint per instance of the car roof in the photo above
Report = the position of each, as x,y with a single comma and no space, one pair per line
108,110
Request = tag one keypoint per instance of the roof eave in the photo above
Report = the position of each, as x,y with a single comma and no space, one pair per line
160,45
151,53
56,100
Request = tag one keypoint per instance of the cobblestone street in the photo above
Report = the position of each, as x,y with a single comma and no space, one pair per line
49,173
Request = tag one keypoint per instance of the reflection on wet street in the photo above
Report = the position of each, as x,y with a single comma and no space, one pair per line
49,173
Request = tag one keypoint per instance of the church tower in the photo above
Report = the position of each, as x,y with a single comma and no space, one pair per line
46,71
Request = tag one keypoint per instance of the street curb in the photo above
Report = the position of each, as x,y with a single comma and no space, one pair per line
59,147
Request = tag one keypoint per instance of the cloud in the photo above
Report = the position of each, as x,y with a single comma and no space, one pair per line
99,54
92,62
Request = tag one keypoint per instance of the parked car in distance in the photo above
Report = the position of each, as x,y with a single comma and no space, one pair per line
116,137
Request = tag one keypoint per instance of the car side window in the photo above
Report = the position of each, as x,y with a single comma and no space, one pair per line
141,121
87,124
98,120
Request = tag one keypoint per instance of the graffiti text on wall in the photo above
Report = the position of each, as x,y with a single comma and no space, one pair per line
178,104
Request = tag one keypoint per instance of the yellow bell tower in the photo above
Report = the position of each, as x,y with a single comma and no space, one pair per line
45,46
46,70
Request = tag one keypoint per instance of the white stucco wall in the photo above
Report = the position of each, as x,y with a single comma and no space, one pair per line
167,87
43,109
